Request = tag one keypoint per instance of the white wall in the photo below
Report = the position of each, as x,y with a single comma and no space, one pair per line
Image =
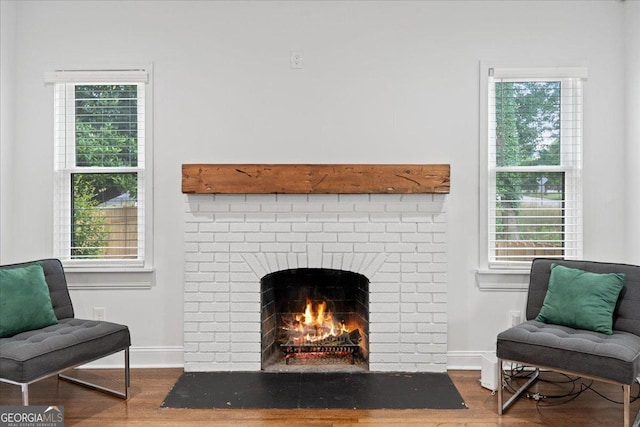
7,62
383,82
632,89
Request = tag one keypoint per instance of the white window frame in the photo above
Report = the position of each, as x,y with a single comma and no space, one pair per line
497,275
64,167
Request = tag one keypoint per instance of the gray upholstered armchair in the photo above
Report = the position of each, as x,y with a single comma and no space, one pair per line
39,335
598,340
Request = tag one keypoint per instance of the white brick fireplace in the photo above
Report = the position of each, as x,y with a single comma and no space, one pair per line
399,242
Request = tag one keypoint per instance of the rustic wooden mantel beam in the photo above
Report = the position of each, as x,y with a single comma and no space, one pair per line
315,178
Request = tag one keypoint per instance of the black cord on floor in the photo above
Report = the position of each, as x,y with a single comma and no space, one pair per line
520,372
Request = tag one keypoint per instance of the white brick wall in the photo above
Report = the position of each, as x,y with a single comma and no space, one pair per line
399,242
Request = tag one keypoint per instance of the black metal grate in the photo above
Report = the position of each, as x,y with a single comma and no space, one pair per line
346,344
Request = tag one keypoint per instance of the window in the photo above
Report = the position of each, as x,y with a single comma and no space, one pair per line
101,174
533,148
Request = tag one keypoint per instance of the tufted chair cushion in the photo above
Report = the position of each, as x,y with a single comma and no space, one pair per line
30,355
615,357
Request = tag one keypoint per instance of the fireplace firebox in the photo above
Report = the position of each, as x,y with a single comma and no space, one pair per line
314,319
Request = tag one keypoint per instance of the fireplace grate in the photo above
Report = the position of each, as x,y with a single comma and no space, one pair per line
346,344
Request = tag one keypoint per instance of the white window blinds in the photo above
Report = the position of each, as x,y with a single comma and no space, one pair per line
534,165
99,167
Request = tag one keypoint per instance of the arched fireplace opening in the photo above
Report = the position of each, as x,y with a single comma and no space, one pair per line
314,319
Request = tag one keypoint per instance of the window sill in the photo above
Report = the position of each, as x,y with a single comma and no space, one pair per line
97,278
97,269
106,265
502,280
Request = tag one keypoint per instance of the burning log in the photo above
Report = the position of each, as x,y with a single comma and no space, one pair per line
315,331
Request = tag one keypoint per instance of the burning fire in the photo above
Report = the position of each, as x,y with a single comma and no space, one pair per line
314,325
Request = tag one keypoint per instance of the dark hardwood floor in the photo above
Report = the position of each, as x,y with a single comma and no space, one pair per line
149,387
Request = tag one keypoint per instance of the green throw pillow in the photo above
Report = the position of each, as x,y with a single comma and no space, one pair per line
25,303
581,299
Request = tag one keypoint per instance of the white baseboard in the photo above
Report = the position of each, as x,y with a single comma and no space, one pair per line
143,357
173,357
465,360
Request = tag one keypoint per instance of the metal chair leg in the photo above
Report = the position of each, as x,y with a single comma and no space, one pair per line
627,405
499,385
25,394
502,407
127,381
24,387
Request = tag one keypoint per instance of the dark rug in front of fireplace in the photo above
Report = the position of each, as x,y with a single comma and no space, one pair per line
332,390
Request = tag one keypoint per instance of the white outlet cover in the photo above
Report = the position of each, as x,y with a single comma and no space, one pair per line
296,59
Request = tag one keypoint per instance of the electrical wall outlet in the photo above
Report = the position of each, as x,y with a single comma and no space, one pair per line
99,313
515,318
296,59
